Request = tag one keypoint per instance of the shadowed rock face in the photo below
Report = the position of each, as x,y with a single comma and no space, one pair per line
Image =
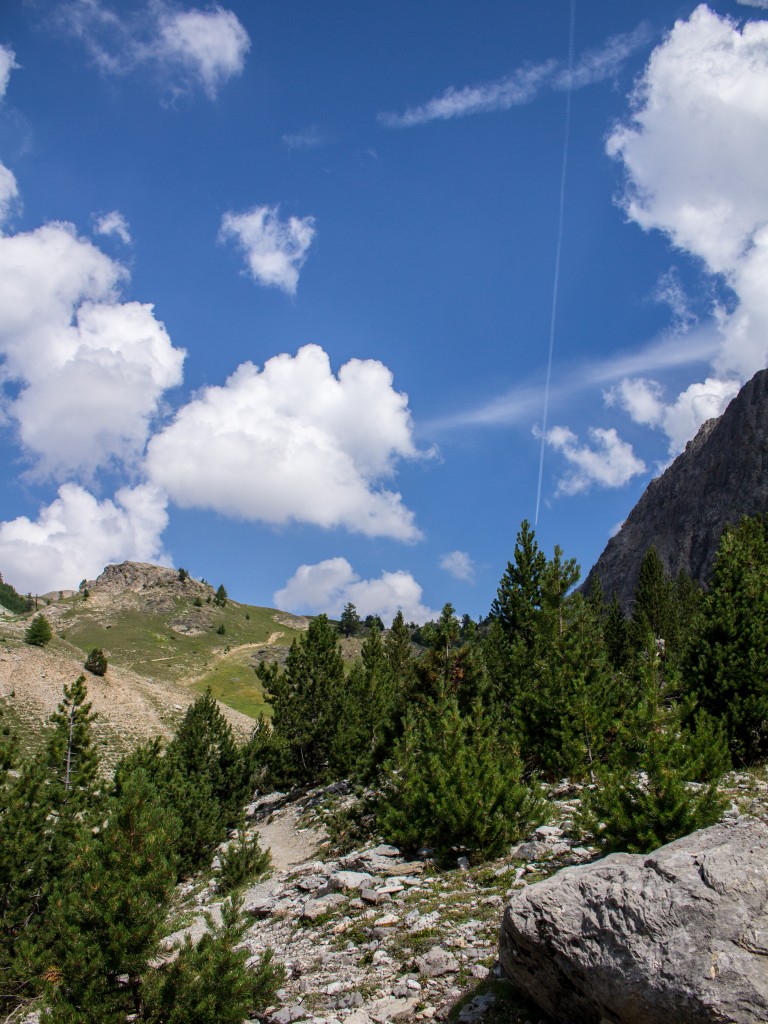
720,477
679,935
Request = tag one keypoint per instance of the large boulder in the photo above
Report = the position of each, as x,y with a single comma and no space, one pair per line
679,935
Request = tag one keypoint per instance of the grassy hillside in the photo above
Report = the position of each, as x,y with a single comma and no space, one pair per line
162,627
180,642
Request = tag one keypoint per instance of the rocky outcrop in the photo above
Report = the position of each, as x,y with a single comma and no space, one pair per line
721,476
152,582
678,935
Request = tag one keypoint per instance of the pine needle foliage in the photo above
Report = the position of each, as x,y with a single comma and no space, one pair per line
42,811
86,876
369,707
203,778
96,662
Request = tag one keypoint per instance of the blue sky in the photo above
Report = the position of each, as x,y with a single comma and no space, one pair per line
280,283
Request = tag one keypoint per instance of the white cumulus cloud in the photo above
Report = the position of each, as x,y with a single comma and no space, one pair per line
293,442
459,565
212,44
113,223
88,371
610,462
694,152
275,250
641,398
75,536
186,48
680,419
329,585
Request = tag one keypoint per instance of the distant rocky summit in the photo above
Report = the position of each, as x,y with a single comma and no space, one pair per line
141,577
720,477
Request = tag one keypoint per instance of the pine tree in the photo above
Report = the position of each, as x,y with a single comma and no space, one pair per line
399,651
210,981
644,797
349,624
39,632
12,600
572,713
726,666
370,705
448,669
204,779
241,862
616,635
42,812
108,907
518,598
305,701
655,612
70,753
454,783
24,879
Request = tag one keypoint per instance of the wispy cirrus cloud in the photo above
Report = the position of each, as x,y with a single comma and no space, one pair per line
524,84
7,65
9,193
307,138
458,564
521,404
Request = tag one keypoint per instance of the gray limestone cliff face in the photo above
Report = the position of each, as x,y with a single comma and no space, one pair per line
721,476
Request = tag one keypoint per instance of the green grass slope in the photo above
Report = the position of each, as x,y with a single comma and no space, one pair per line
170,633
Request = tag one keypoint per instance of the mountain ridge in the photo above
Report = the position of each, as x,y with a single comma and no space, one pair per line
721,476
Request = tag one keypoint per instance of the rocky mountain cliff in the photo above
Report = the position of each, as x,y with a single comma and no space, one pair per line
721,476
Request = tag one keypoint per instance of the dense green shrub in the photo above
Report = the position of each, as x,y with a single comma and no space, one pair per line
96,662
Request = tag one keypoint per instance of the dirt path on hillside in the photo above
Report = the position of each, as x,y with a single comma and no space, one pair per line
289,842
229,656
